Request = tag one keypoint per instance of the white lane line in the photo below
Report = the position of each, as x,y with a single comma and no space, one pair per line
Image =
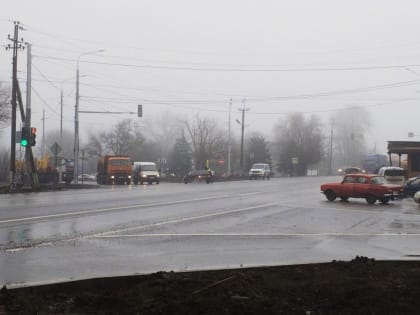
254,235
204,216
67,214
104,234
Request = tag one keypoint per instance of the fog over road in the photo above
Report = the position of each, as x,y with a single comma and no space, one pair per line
124,230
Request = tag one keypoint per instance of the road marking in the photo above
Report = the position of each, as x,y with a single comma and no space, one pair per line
253,235
204,216
103,234
167,203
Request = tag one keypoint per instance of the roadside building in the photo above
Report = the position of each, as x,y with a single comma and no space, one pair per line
408,153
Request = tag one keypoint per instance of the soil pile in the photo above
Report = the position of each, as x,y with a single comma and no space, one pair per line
360,286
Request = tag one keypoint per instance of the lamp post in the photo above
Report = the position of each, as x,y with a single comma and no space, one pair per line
76,115
242,124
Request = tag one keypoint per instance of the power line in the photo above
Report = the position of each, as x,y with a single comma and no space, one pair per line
216,69
44,101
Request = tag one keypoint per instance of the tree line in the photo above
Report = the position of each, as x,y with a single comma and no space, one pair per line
298,143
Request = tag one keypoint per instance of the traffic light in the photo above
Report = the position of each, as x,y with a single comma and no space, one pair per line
32,138
24,138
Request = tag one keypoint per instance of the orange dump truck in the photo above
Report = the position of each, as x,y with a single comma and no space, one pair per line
114,169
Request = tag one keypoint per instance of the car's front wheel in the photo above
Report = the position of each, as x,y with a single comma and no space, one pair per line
371,199
331,196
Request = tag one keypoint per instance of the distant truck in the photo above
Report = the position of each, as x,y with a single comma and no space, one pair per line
145,172
114,169
48,169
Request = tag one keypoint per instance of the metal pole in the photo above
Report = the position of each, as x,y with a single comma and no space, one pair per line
61,117
28,115
242,140
76,126
43,134
331,149
229,139
76,116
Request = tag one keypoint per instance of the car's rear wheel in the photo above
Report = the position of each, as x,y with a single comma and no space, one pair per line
371,199
331,196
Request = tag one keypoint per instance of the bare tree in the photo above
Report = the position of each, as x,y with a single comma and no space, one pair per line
207,141
4,165
257,150
125,138
161,134
5,106
299,143
349,128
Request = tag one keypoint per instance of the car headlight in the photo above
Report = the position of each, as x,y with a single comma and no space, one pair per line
144,175
129,176
112,176
157,175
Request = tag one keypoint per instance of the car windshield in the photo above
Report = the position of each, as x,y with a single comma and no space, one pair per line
377,180
258,166
394,172
119,162
149,168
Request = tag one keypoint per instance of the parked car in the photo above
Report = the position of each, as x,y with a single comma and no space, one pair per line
199,176
259,170
369,186
412,186
417,197
393,174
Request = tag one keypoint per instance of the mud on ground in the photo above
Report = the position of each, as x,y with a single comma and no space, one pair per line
360,286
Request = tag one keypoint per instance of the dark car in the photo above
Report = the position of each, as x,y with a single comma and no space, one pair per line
350,170
412,186
199,176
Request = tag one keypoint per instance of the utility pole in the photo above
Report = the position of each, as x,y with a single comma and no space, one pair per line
241,164
229,140
43,134
28,114
17,44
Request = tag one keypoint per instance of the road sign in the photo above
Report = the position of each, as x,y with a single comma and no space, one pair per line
55,148
295,161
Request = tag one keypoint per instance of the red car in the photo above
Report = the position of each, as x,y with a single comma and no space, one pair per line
368,186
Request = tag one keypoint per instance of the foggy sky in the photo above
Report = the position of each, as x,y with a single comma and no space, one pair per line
188,56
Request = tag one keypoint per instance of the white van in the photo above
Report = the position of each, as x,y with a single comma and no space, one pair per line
393,174
145,172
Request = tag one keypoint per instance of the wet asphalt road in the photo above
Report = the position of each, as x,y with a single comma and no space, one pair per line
124,230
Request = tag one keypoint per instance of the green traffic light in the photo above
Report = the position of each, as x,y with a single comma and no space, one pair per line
24,142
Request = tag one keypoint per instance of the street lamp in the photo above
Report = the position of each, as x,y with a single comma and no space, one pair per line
76,115
229,140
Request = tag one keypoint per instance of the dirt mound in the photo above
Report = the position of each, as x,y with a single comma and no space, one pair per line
361,286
